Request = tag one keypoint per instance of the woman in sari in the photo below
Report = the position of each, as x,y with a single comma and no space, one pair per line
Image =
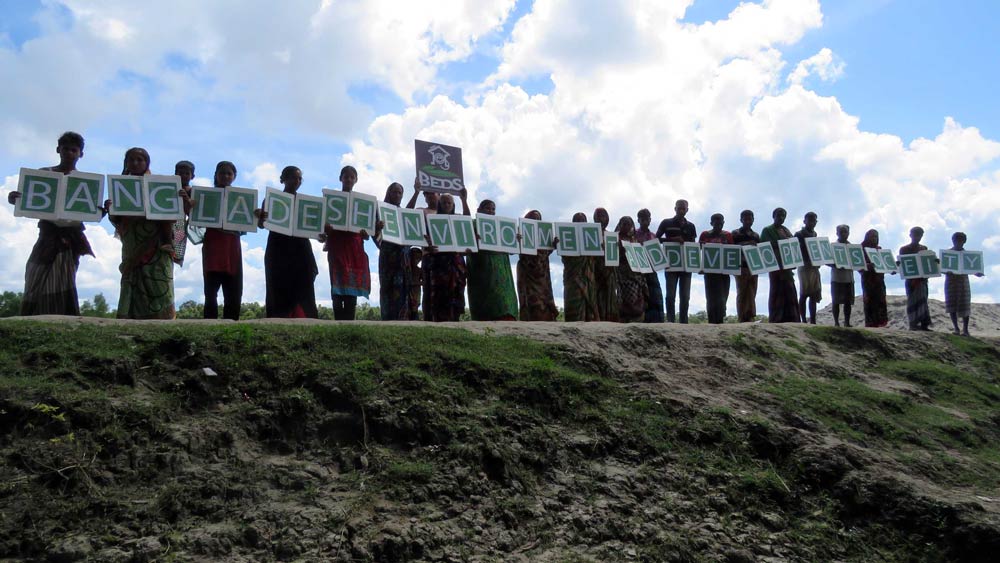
534,283
445,273
632,288
397,278
491,284
873,287
608,302
579,285
147,286
289,266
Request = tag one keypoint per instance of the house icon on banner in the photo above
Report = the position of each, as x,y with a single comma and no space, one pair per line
439,157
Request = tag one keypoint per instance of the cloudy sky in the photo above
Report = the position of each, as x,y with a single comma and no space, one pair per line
875,113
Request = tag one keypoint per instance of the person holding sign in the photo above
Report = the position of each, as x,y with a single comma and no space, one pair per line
873,287
185,171
50,274
677,229
289,265
579,285
147,288
810,285
491,283
716,285
345,254
842,283
431,199
608,300
782,302
957,293
534,283
445,273
222,260
398,270
746,283
917,311
654,301
632,288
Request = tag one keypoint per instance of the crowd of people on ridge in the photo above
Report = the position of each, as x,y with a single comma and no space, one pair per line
415,279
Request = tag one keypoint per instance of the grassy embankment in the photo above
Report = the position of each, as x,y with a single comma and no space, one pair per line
395,443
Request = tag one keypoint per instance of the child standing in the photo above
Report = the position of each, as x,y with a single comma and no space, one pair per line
222,260
957,293
185,170
345,254
445,273
50,274
842,283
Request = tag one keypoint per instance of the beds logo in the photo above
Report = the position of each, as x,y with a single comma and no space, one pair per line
439,167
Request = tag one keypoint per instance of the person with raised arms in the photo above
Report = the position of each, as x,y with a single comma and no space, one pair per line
810,285
445,272
746,283
654,302
345,254
917,311
608,300
222,260
579,285
398,270
147,286
873,287
534,283
632,288
491,283
957,292
50,274
716,285
782,303
290,268
677,229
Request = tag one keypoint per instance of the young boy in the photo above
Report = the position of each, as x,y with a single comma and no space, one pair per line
957,294
50,274
842,283
810,286
184,169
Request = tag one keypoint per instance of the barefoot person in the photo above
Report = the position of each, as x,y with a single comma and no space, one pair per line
50,274
348,262
222,260
397,278
534,283
632,287
654,303
810,285
957,293
842,283
290,268
579,285
491,283
873,287
445,273
677,229
746,283
782,303
608,302
716,285
917,312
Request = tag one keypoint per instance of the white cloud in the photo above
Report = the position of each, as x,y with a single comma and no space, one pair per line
823,64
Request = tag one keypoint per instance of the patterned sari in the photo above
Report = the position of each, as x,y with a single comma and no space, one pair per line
534,288
397,301
608,301
445,277
147,288
579,289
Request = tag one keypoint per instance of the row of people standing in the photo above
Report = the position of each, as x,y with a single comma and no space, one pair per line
413,278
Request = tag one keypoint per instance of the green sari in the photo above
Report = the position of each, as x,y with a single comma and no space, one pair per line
491,287
147,290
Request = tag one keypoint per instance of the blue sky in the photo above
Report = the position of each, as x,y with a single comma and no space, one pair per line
842,106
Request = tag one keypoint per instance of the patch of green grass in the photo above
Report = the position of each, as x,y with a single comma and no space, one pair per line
971,391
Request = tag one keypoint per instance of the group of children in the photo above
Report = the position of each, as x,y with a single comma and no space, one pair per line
412,278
